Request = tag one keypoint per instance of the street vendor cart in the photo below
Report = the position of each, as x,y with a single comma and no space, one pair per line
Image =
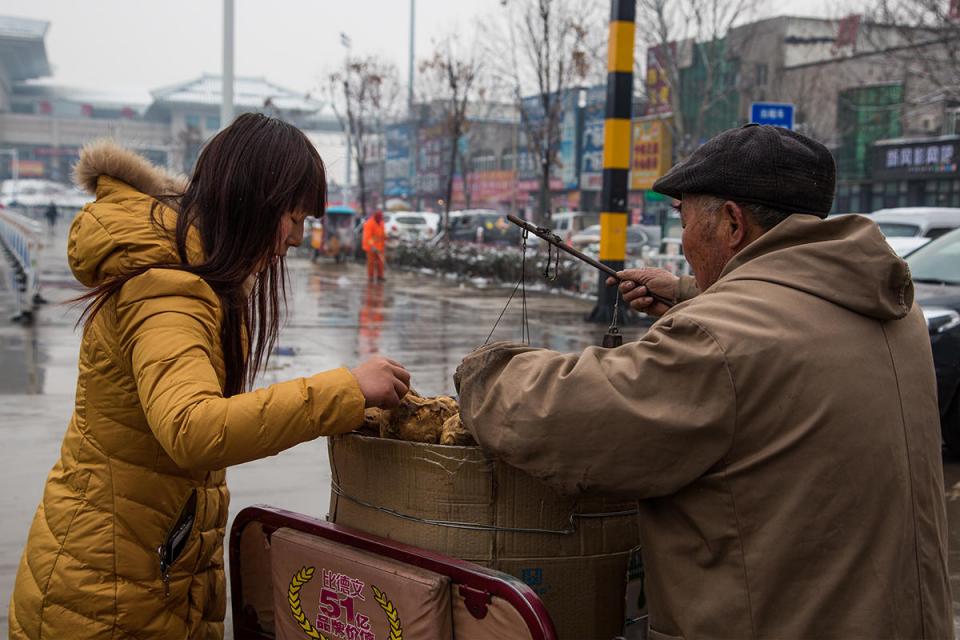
333,237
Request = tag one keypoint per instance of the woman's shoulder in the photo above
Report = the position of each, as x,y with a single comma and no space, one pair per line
169,286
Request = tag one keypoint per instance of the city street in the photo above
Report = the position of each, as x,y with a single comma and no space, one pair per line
426,322
776,438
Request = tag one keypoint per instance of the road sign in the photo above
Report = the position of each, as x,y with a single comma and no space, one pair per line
776,113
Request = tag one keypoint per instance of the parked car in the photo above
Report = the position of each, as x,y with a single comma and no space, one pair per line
638,237
908,228
484,226
936,277
567,224
406,225
433,220
37,193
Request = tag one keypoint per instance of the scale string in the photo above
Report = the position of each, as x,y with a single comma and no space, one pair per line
525,319
521,285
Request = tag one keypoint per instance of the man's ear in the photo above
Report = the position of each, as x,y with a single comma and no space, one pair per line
737,223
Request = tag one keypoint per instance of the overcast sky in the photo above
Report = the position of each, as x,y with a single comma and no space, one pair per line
138,45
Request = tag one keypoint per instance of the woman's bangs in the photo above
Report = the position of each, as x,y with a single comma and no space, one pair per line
313,192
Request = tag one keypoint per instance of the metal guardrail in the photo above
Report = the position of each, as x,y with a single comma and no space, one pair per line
20,240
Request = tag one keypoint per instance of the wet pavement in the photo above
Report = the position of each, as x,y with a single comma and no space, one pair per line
335,318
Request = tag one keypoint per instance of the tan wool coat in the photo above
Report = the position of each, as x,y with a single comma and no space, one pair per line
150,436
780,431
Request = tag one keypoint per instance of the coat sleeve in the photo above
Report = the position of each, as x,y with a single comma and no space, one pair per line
640,421
687,288
168,329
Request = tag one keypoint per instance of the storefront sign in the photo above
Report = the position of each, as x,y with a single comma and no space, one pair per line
938,156
651,153
30,168
488,188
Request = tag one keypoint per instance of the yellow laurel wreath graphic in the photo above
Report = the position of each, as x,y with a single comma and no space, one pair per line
301,578
393,616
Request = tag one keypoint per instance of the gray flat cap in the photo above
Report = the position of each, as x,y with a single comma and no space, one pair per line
758,164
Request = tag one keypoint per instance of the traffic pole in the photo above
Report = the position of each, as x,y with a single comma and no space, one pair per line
614,216
226,98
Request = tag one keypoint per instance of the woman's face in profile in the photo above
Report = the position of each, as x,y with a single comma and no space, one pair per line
290,233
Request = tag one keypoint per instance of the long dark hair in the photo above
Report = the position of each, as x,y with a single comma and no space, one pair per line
246,178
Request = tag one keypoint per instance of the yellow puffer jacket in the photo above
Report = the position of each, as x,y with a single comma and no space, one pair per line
141,470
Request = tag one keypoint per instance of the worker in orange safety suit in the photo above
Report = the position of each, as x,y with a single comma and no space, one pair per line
374,244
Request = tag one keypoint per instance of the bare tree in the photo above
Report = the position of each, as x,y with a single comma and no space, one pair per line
363,95
450,82
553,46
681,33
923,36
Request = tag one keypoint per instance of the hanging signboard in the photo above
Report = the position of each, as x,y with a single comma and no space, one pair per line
652,152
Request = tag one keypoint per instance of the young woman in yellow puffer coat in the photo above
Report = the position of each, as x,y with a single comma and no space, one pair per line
188,283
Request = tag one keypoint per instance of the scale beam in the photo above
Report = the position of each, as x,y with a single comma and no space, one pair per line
552,238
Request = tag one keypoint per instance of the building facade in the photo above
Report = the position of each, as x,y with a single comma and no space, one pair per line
43,125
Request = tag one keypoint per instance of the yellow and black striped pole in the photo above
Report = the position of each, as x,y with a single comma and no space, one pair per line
616,150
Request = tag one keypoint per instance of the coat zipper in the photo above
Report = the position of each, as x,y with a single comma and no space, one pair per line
174,542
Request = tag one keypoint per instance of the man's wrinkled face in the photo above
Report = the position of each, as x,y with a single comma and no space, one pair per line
704,243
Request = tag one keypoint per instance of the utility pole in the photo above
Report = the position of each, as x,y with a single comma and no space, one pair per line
616,152
413,30
226,104
412,130
348,191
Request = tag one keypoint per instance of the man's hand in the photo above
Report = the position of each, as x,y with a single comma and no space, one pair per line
383,382
636,285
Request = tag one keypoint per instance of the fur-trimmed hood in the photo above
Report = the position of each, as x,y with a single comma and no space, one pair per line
107,158
119,232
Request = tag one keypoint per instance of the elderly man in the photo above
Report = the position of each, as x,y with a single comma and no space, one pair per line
779,424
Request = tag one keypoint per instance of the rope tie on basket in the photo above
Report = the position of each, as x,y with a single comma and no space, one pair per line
570,529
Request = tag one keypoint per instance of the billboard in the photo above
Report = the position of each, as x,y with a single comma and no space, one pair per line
398,164
651,153
431,143
565,170
487,188
591,165
658,86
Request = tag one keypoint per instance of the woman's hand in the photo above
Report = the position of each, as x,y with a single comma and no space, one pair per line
383,382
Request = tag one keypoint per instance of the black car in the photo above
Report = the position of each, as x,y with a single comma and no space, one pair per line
936,277
484,227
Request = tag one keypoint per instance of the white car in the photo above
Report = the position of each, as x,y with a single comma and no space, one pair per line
34,193
638,237
404,225
567,224
908,228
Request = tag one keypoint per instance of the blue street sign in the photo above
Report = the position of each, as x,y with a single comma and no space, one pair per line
776,113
